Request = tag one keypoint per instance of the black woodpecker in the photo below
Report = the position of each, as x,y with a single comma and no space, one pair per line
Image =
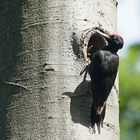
103,70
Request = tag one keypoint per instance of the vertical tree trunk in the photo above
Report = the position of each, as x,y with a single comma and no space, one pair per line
39,68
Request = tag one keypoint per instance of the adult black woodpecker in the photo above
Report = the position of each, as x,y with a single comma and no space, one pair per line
103,70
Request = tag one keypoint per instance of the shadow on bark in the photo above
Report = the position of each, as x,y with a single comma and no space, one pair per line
3,111
10,42
80,105
75,45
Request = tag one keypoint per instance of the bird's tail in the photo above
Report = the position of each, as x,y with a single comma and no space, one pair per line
97,117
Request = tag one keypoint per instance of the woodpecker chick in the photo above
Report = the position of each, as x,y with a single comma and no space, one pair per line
103,70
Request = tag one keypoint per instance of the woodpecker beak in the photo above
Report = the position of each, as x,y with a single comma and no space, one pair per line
103,35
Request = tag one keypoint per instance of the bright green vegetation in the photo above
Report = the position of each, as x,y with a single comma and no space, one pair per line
130,94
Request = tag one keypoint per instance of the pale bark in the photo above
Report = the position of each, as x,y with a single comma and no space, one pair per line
39,70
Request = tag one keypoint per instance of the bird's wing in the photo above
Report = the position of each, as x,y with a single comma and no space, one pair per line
103,71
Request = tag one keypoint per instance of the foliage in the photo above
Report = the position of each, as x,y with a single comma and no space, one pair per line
130,94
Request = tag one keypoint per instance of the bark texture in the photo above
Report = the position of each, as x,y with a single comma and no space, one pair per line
42,96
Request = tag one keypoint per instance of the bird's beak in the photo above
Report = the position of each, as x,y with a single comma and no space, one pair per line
103,35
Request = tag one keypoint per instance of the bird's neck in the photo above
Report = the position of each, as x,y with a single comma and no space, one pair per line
111,48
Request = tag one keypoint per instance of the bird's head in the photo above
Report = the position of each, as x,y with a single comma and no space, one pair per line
113,40
116,40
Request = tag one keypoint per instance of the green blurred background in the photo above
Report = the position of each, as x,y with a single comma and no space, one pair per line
129,70
129,74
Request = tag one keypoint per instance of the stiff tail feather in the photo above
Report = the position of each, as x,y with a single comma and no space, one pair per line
97,118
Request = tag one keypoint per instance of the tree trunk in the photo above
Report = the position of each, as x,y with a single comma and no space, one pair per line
42,96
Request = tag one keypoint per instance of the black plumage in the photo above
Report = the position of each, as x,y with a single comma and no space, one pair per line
103,70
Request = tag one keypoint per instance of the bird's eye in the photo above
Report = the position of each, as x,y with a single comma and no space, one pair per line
114,37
